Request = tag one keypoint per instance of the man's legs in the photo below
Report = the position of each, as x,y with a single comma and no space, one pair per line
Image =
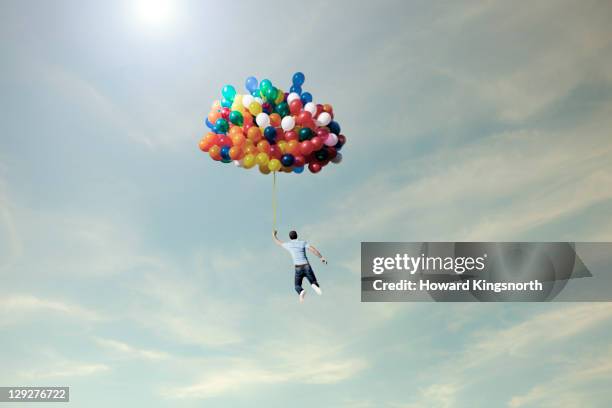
299,276
313,280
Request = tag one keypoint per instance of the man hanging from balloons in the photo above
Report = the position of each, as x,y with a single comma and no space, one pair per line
276,130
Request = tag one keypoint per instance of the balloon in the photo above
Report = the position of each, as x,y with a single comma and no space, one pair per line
296,89
298,79
238,139
337,159
264,169
331,140
226,103
292,97
235,153
247,118
293,147
255,108
279,97
323,119
209,124
236,118
341,142
282,109
287,160
311,107
305,134
298,170
334,127
291,135
247,100
288,123
270,134
225,152
321,155
263,146
275,151
303,118
251,84
254,134
262,120
306,97
314,167
262,159
275,119
317,142
223,140
265,85
282,145
228,92
295,106
306,147
274,165
221,125
225,112
300,161
248,161
215,152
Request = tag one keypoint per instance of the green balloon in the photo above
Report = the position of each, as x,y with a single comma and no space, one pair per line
228,92
265,84
305,134
236,118
282,109
222,125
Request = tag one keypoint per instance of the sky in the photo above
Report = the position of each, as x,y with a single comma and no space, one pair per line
140,273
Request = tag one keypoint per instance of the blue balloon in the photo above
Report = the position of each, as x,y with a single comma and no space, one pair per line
298,170
334,127
225,152
251,84
296,88
298,79
287,160
210,125
270,131
255,93
226,103
306,97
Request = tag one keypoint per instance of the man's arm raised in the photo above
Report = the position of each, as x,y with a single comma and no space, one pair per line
275,238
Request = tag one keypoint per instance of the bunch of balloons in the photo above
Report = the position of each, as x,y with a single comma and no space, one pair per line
273,129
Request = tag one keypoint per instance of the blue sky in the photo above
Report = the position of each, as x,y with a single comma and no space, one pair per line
140,273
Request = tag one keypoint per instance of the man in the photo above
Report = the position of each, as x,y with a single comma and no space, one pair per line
297,249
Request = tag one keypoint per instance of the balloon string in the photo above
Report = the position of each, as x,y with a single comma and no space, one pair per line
274,201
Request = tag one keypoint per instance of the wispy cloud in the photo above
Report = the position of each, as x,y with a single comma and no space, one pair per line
129,351
14,306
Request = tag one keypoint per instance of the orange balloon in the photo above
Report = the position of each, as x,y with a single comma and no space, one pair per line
234,129
247,118
250,149
275,119
263,146
254,134
293,147
238,139
216,105
235,153
213,116
215,152
204,144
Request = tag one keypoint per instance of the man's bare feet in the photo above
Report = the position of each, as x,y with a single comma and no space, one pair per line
317,289
302,294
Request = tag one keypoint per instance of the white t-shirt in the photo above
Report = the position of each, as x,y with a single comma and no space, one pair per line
297,249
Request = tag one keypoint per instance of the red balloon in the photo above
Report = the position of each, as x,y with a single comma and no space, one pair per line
319,109
246,127
303,116
295,106
306,147
322,132
314,167
275,152
299,161
341,139
317,142
225,112
332,152
224,141
291,135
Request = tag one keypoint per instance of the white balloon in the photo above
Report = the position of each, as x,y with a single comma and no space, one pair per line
338,158
292,96
247,100
323,119
311,107
263,120
288,123
237,163
259,100
331,140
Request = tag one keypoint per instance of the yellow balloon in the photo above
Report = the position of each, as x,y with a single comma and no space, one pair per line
248,161
262,159
255,108
282,145
280,96
274,165
264,169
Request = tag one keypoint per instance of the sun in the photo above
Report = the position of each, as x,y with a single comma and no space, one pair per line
154,13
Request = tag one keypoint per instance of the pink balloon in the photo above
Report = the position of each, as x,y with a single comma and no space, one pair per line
331,140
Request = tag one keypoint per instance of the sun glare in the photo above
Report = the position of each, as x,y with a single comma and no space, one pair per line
154,13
